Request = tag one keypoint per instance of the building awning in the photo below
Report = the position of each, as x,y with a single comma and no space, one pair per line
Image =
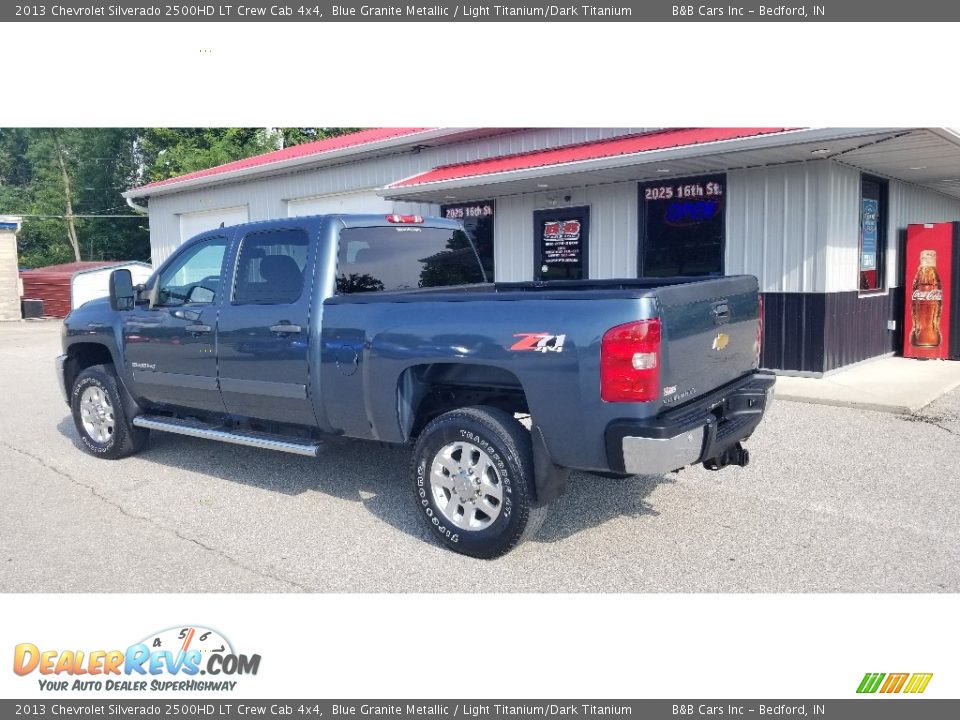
595,150
668,153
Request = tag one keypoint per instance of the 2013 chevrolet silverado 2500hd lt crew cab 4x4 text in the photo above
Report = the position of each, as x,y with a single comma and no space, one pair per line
284,334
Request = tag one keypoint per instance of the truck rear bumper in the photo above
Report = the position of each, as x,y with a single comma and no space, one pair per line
696,432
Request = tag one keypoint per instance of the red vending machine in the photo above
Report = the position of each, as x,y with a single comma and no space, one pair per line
931,326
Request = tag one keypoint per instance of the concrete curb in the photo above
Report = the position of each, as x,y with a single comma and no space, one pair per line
858,404
867,387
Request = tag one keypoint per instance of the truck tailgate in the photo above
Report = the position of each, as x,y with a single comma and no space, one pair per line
709,332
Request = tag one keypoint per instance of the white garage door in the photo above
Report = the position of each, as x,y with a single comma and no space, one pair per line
197,222
365,201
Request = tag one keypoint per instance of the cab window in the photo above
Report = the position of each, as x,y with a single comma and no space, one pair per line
194,277
270,268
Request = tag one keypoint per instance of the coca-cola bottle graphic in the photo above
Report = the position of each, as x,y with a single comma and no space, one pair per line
927,302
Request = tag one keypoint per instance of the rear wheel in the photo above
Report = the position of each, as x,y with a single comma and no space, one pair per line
99,416
473,475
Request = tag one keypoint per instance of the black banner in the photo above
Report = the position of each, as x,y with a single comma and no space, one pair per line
630,11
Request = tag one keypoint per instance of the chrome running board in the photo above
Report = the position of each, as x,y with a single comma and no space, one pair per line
213,432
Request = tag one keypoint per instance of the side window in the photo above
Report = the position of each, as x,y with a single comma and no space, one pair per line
270,268
194,277
873,236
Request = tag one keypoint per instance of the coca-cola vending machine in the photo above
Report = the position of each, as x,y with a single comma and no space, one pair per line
931,327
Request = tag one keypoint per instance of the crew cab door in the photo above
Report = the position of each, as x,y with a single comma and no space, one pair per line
170,347
263,335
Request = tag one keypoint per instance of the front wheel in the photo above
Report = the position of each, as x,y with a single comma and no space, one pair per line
473,475
99,416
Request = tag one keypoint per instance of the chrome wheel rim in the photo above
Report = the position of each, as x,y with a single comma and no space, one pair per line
96,414
466,486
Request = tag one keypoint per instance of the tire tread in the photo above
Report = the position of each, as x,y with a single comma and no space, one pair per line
129,439
515,439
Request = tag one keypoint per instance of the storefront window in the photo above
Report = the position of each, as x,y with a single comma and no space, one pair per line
873,215
560,241
682,227
477,219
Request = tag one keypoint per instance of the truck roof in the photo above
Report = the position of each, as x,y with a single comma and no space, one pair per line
348,219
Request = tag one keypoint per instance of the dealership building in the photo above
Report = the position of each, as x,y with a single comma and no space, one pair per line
817,214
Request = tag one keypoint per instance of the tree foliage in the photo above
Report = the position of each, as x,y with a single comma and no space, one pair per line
98,164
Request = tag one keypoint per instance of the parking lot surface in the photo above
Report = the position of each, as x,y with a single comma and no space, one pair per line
834,500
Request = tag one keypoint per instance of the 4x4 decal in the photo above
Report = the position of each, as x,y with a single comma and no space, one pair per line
539,342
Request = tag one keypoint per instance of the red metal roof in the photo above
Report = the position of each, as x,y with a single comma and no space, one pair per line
52,284
65,270
317,147
626,145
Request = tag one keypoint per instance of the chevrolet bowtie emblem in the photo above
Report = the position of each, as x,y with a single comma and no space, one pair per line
721,341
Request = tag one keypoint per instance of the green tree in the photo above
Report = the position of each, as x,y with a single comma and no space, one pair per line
63,179
298,136
169,152
56,177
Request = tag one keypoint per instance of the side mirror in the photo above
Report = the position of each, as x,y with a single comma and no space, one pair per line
122,295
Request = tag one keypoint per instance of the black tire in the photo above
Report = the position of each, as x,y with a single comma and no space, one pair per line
124,438
507,444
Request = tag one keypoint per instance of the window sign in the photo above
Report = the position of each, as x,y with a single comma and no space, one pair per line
868,242
682,227
560,243
872,204
474,210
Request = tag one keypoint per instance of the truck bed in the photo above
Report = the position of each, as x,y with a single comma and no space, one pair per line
617,288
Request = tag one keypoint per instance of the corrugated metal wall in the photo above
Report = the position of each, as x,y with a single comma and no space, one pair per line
797,227
794,226
612,250
267,198
911,204
777,225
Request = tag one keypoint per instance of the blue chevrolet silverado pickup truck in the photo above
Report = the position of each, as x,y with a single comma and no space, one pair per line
288,333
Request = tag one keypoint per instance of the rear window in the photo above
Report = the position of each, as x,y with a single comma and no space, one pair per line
405,257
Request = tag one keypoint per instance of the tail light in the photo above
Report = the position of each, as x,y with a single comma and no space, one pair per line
759,327
405,219
630,362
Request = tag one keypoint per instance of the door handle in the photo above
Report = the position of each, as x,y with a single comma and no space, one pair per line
197,329
721,312
285,327
186,314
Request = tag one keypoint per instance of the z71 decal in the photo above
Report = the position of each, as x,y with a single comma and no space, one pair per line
539,342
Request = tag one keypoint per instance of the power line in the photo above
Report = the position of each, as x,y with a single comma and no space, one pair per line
76,215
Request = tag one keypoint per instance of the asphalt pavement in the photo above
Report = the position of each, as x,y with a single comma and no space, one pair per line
834,500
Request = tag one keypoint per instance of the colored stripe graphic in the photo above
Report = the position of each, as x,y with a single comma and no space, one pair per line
870,682
918,683
895,683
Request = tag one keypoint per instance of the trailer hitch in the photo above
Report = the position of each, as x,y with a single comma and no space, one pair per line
736,455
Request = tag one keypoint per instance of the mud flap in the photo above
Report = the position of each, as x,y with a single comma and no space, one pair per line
550,479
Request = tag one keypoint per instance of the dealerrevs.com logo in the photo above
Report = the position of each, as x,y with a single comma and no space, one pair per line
172,659
893,683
